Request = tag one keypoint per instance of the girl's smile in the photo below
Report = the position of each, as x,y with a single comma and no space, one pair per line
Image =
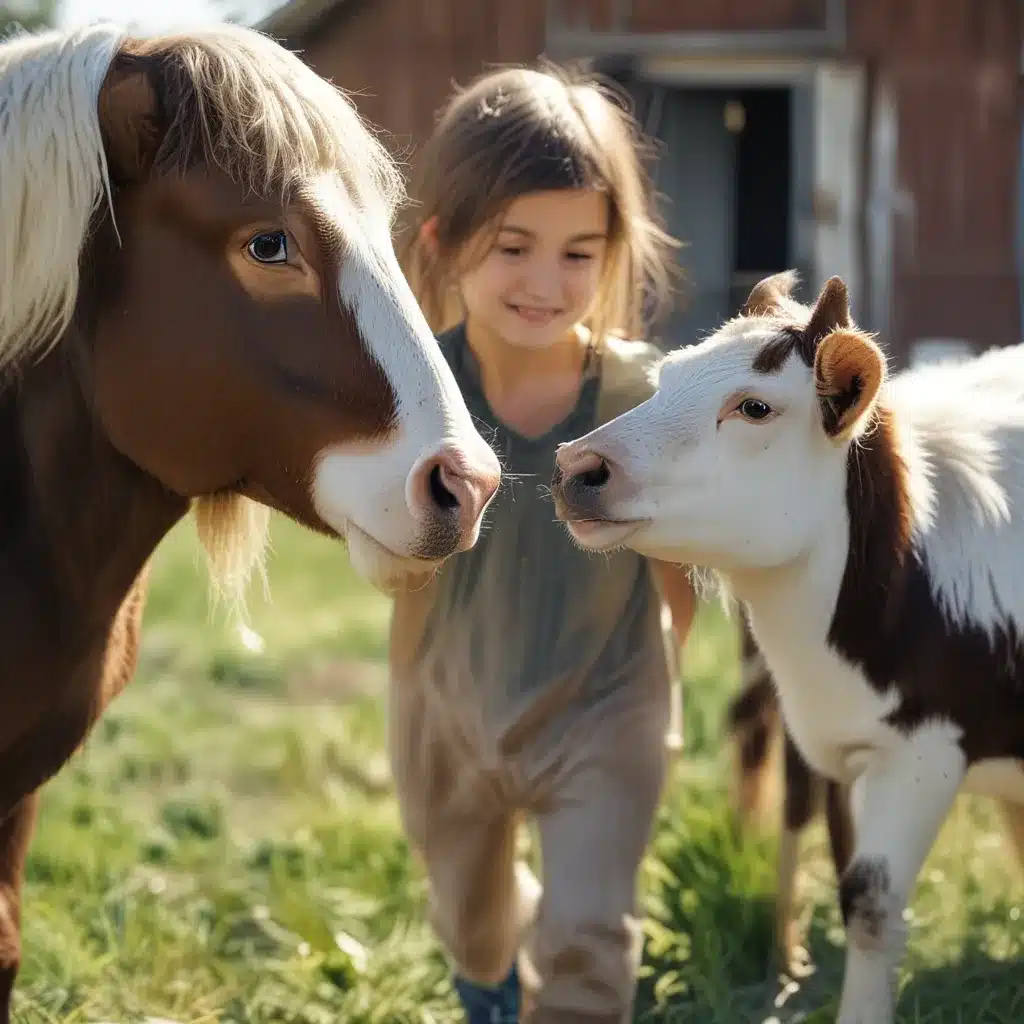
538,316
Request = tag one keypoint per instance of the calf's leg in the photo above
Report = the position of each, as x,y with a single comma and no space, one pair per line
802,795
839,818
1013,816
753,722
902,797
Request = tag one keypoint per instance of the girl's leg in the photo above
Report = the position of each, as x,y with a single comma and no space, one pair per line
583,956
481,901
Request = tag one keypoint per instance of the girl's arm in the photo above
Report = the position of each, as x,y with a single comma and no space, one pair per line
678,593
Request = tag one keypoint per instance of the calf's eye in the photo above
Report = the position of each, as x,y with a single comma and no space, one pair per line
754,409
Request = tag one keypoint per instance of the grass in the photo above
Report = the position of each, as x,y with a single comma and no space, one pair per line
226,848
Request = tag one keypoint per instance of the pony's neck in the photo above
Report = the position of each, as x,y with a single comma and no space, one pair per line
90,518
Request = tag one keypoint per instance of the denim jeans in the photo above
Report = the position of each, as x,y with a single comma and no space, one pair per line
485,1005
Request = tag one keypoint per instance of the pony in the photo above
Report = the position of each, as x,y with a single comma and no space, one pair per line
867,524
200,310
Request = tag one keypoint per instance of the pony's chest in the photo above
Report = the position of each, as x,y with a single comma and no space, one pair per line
829,706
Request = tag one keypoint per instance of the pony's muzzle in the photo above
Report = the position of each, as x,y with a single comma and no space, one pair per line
448,492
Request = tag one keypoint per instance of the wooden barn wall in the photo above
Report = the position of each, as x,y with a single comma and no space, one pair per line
403,56
951,70
693,15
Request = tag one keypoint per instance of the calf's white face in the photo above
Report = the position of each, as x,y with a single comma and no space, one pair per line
739,460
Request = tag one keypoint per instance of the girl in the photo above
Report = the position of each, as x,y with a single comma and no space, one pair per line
528,676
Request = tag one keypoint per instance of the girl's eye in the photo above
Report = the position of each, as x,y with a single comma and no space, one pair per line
269,247
579,257
512,250
754,409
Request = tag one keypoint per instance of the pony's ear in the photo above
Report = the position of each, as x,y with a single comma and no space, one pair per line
130,123
849,369
767,295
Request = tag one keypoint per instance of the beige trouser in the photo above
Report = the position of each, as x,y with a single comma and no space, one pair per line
578,940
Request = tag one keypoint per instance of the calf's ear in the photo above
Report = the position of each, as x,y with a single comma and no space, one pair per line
849,370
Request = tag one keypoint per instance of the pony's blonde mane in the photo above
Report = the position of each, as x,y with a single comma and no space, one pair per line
238,100
53,176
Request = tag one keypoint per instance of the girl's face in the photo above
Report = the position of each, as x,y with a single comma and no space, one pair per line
542,269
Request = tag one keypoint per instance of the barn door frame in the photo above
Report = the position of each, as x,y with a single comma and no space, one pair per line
830,113
839,105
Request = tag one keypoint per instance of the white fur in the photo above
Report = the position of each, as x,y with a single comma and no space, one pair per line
765,504
365,486
962,432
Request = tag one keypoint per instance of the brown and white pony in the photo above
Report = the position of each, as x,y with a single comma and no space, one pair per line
200,308
872,530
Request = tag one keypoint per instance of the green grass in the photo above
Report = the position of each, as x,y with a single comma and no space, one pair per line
226,847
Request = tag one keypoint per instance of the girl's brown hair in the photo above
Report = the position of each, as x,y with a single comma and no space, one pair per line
516,131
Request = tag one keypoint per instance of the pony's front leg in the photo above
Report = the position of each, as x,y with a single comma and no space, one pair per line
15,835
902,798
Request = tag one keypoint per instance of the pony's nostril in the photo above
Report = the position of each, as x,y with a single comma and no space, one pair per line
441,496
596,477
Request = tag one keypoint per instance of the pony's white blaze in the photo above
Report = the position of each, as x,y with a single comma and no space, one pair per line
363,490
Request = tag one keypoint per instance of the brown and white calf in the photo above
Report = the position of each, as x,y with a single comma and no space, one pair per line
871,529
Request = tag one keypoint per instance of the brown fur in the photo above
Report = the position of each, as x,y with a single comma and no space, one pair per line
173,382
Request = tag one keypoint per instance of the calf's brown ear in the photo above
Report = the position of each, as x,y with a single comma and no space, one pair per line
831,312
849,370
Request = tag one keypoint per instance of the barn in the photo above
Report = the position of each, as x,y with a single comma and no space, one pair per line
877,140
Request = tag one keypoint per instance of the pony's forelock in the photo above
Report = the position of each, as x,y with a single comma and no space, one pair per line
268,120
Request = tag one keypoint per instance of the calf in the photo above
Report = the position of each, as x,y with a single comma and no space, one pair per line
868,527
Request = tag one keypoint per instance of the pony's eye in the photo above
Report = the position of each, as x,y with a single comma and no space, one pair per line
269,247
754,409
